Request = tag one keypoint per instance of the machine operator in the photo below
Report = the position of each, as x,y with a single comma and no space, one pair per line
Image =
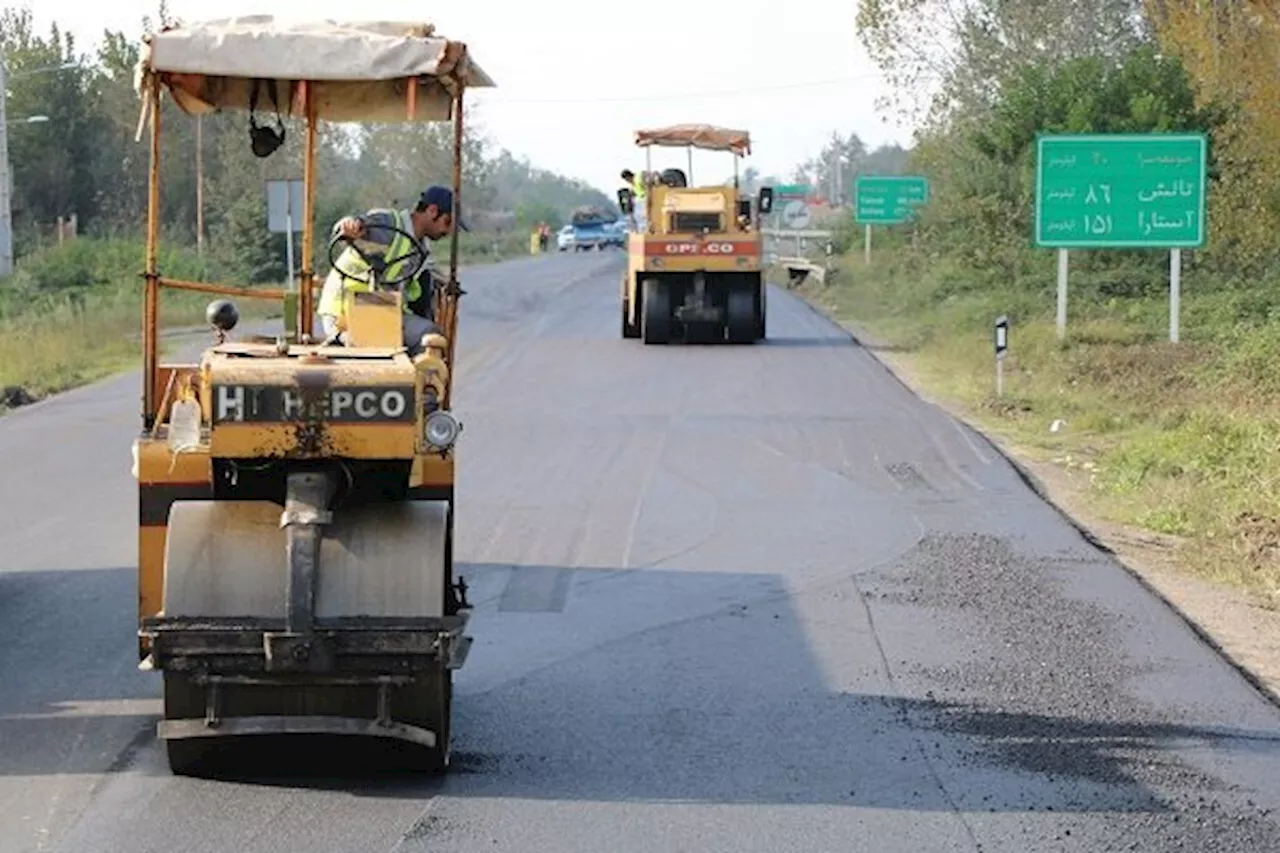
430,219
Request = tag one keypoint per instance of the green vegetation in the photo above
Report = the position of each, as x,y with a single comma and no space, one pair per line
71,313
1178,439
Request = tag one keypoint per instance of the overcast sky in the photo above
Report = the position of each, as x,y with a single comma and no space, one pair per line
573,87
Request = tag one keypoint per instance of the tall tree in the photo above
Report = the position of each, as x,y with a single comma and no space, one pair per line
947,57
1232,49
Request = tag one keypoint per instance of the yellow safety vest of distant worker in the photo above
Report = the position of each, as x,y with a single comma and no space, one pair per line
430,219
638,188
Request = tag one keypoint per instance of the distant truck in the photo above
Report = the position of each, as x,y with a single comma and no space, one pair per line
593,228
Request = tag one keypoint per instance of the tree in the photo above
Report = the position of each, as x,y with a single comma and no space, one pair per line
984,178
86,160
831,172
944,58
1232,50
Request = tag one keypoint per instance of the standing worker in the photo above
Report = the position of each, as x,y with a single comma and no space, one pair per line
430,219
638,192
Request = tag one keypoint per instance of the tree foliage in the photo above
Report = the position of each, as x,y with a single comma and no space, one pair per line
947,57
984,77
1232,50
86,161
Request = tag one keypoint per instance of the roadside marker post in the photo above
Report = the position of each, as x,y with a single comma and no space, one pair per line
1001,335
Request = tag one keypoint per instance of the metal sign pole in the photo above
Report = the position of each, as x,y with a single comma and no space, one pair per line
6,183
1175,293
866,250
1062,294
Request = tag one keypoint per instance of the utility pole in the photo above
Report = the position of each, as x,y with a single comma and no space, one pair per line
839,193
200,184
6,180
6,172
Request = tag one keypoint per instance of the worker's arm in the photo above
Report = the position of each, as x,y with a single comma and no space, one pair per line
373,228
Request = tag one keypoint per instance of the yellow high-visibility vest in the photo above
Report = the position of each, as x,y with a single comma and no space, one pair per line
341,280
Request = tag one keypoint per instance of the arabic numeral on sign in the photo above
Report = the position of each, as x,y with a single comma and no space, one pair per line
1100,224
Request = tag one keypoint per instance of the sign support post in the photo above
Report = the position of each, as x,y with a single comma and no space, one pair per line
1175,293
1062,294
288,244
866,252
285,206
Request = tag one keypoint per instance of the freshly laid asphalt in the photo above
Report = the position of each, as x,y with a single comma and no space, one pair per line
728,599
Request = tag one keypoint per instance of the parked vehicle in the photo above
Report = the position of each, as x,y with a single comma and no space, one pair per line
592,228
616,237
564,238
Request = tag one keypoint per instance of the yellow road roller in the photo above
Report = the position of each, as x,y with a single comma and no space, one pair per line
694,262
296,492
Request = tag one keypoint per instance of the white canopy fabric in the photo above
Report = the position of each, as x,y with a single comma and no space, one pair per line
360,70
705,136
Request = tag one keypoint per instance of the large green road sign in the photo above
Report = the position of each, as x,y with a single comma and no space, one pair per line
888,199
1120,191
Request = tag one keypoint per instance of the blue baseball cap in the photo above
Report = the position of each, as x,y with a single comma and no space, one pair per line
442,198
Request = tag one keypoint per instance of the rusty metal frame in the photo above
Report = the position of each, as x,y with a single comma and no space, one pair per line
307,275
238,646
448,315
238,726
150,299
447,305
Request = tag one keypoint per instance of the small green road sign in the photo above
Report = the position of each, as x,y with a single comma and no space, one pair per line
888,199
792,191
1132,191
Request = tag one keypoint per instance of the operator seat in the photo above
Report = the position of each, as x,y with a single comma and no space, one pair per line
673,178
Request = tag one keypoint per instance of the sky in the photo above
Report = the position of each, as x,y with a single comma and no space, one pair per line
573,88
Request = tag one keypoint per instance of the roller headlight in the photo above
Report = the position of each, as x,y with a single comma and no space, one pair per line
442,430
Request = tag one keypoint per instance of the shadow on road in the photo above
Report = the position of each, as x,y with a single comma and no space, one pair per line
815,342
704,690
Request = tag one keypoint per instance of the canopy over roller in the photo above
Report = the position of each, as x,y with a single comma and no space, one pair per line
360,71
705,136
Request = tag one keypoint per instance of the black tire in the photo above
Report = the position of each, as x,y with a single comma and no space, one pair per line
761,309
452,604
629,329
428,703
185,700
656,308
189,756
743,320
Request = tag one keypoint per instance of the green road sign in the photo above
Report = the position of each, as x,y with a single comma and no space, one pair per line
792,191
888,199
1133,191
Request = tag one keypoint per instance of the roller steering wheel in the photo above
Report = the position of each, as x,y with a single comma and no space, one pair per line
379,264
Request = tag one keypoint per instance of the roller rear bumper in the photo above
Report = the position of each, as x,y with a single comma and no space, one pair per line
348,646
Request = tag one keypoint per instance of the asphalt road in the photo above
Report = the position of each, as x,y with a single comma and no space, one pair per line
728,599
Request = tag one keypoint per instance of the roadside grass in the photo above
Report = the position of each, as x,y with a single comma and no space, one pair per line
72,314
1180,439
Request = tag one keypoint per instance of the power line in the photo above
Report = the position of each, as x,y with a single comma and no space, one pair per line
680,96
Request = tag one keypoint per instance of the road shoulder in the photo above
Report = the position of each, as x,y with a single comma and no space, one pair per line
1246,635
